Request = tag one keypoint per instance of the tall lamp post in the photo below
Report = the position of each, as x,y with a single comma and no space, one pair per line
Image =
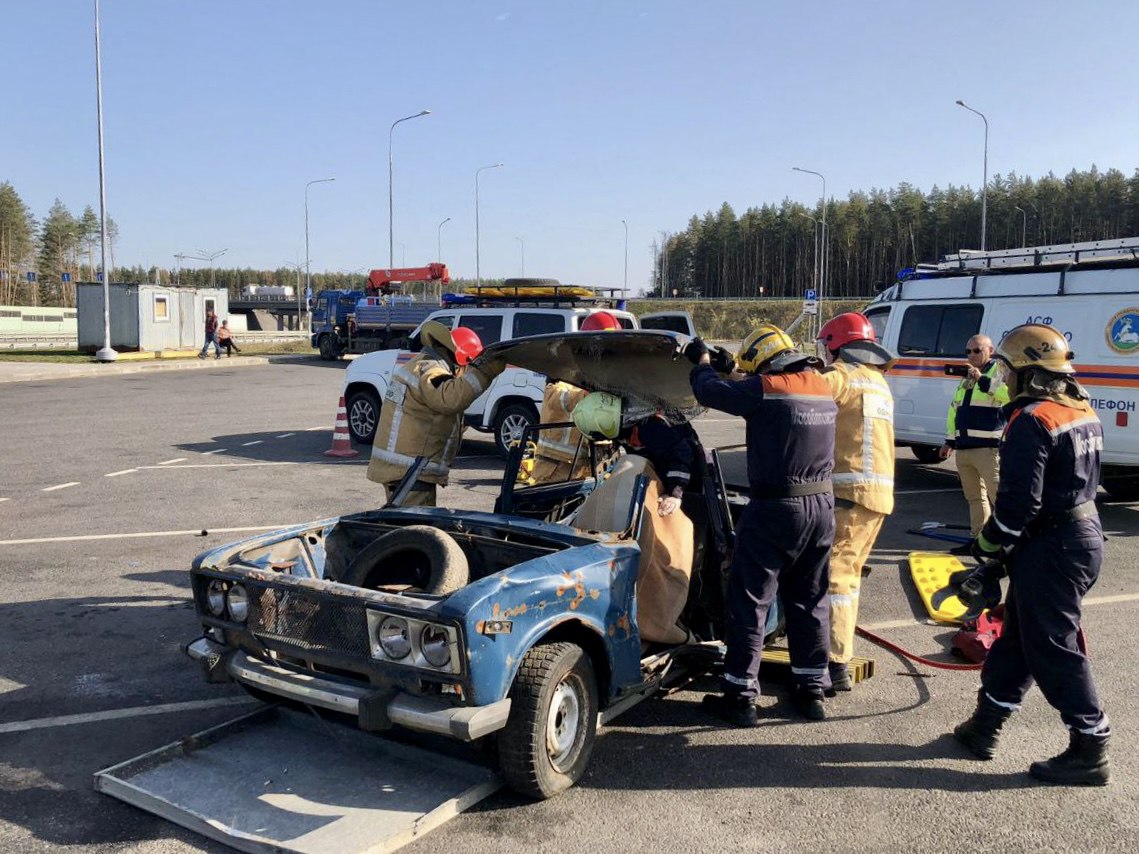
211,257
821,290
439,240
391,225
815,235
625,286
985,174
478,269
308,274
1023,226
106,353
522,248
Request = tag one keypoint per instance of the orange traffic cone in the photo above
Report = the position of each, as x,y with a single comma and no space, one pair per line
341,441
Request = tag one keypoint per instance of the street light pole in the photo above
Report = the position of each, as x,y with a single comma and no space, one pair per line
308,275
106,353
985,178
1023,226
822,289
815,235
478,269
391,225
625,287
439,240
211,257
522,246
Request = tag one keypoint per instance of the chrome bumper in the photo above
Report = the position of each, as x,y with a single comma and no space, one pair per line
374,709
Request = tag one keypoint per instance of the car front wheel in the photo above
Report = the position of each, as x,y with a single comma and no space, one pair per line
548,739
510,423
929,454
363,416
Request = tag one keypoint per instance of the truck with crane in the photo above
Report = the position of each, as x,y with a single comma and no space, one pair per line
376,318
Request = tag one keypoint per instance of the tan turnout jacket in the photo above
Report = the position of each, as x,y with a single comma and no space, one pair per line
864,436
557,408
422,415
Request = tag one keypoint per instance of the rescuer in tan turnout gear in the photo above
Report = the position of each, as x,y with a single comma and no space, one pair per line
422,411
863,470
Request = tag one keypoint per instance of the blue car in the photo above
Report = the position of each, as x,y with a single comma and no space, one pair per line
515,626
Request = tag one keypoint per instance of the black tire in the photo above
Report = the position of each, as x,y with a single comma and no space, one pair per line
1122,488
510,422
927,453
363,415
529,283
417,557
548,739
329,351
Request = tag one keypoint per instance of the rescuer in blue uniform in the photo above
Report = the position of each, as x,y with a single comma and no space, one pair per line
1045,529
783,540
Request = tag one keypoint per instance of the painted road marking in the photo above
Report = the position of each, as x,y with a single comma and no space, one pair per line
119,714
175,460
88,537
60,486
218,451
310,429
284,436
254,442
117,473
902,624
259,463
5,499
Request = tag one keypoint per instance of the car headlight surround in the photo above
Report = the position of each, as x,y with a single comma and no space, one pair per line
237,599
394,636
215,597
435,645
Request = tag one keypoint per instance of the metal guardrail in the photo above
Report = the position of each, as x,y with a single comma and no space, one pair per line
70,342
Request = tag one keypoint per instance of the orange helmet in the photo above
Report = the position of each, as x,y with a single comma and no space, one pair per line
846,328
600,321
468,345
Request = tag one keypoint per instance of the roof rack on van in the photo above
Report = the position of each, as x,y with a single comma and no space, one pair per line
532,295
1098,251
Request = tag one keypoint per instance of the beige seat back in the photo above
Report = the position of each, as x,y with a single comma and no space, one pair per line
607,507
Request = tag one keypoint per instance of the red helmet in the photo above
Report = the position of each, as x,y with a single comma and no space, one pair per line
468,345
846,328
600,321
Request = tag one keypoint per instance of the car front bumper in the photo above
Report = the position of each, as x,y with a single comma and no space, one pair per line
374,709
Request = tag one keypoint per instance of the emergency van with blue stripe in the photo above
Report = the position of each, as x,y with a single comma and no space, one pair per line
1088,291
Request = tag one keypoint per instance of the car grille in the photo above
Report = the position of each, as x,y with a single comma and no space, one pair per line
308,621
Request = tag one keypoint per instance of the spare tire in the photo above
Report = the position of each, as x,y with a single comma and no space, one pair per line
417,557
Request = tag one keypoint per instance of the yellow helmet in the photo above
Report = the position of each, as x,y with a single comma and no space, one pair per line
598,415
1035,345
764,343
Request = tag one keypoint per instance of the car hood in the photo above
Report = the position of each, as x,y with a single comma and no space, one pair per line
640,366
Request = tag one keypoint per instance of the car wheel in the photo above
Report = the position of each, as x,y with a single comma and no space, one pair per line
329,352
510,423
926,453
548,739
1122,488
363,416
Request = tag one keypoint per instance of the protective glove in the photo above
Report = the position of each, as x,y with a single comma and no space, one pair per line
983,551
488,366
695,350
668,505
980,588
723,362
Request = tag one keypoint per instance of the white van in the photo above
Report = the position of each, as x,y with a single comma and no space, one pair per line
1088,291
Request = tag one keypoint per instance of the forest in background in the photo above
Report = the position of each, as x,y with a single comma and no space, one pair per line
769,251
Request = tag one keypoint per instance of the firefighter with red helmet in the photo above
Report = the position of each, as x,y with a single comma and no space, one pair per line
863,470
422,412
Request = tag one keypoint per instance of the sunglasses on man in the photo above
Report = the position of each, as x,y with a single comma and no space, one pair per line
977,350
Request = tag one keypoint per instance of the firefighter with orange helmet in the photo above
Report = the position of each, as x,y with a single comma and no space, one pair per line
863,470
422,412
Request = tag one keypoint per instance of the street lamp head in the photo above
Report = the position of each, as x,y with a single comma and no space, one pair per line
960,103
423,113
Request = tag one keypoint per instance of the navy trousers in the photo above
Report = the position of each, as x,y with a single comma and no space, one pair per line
1049,575
782,546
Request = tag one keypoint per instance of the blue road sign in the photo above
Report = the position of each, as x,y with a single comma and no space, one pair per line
66,277
31,276
810,296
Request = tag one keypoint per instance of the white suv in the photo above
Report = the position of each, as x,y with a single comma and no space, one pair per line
513,400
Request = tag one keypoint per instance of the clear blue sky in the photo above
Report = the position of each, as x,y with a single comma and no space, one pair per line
218,111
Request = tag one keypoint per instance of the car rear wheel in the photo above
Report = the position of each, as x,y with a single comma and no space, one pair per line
927,453
510,423
329,352
363,416
548,739
1122,488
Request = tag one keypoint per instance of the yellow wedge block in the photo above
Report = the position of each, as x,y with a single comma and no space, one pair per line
931,571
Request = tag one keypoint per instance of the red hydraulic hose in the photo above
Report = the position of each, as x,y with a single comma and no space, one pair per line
905,653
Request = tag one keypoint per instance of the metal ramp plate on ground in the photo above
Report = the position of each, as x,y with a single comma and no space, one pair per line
283,780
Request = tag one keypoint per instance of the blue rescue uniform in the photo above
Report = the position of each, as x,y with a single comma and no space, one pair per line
1050,462
783,540
671,448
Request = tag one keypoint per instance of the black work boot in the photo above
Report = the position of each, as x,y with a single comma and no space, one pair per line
981,731
1084,763
809,703
732,708
840,679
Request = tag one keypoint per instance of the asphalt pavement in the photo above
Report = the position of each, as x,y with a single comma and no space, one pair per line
110,486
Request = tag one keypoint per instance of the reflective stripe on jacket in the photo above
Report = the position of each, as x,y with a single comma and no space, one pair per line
975,418
557,405
422,415
864,436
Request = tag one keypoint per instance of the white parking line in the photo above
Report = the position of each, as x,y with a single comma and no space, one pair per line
310,429
119,714
284,436
216,451
5,499
223,465
175,460
89,537
60,486
117,473
254,442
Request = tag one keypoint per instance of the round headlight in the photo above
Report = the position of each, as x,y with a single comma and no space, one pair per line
238,601
215,597
435,645
395,638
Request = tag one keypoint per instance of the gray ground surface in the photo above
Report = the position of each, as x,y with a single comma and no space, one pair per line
95,625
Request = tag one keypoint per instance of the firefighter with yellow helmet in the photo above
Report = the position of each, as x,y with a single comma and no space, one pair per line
783,539
1046,531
